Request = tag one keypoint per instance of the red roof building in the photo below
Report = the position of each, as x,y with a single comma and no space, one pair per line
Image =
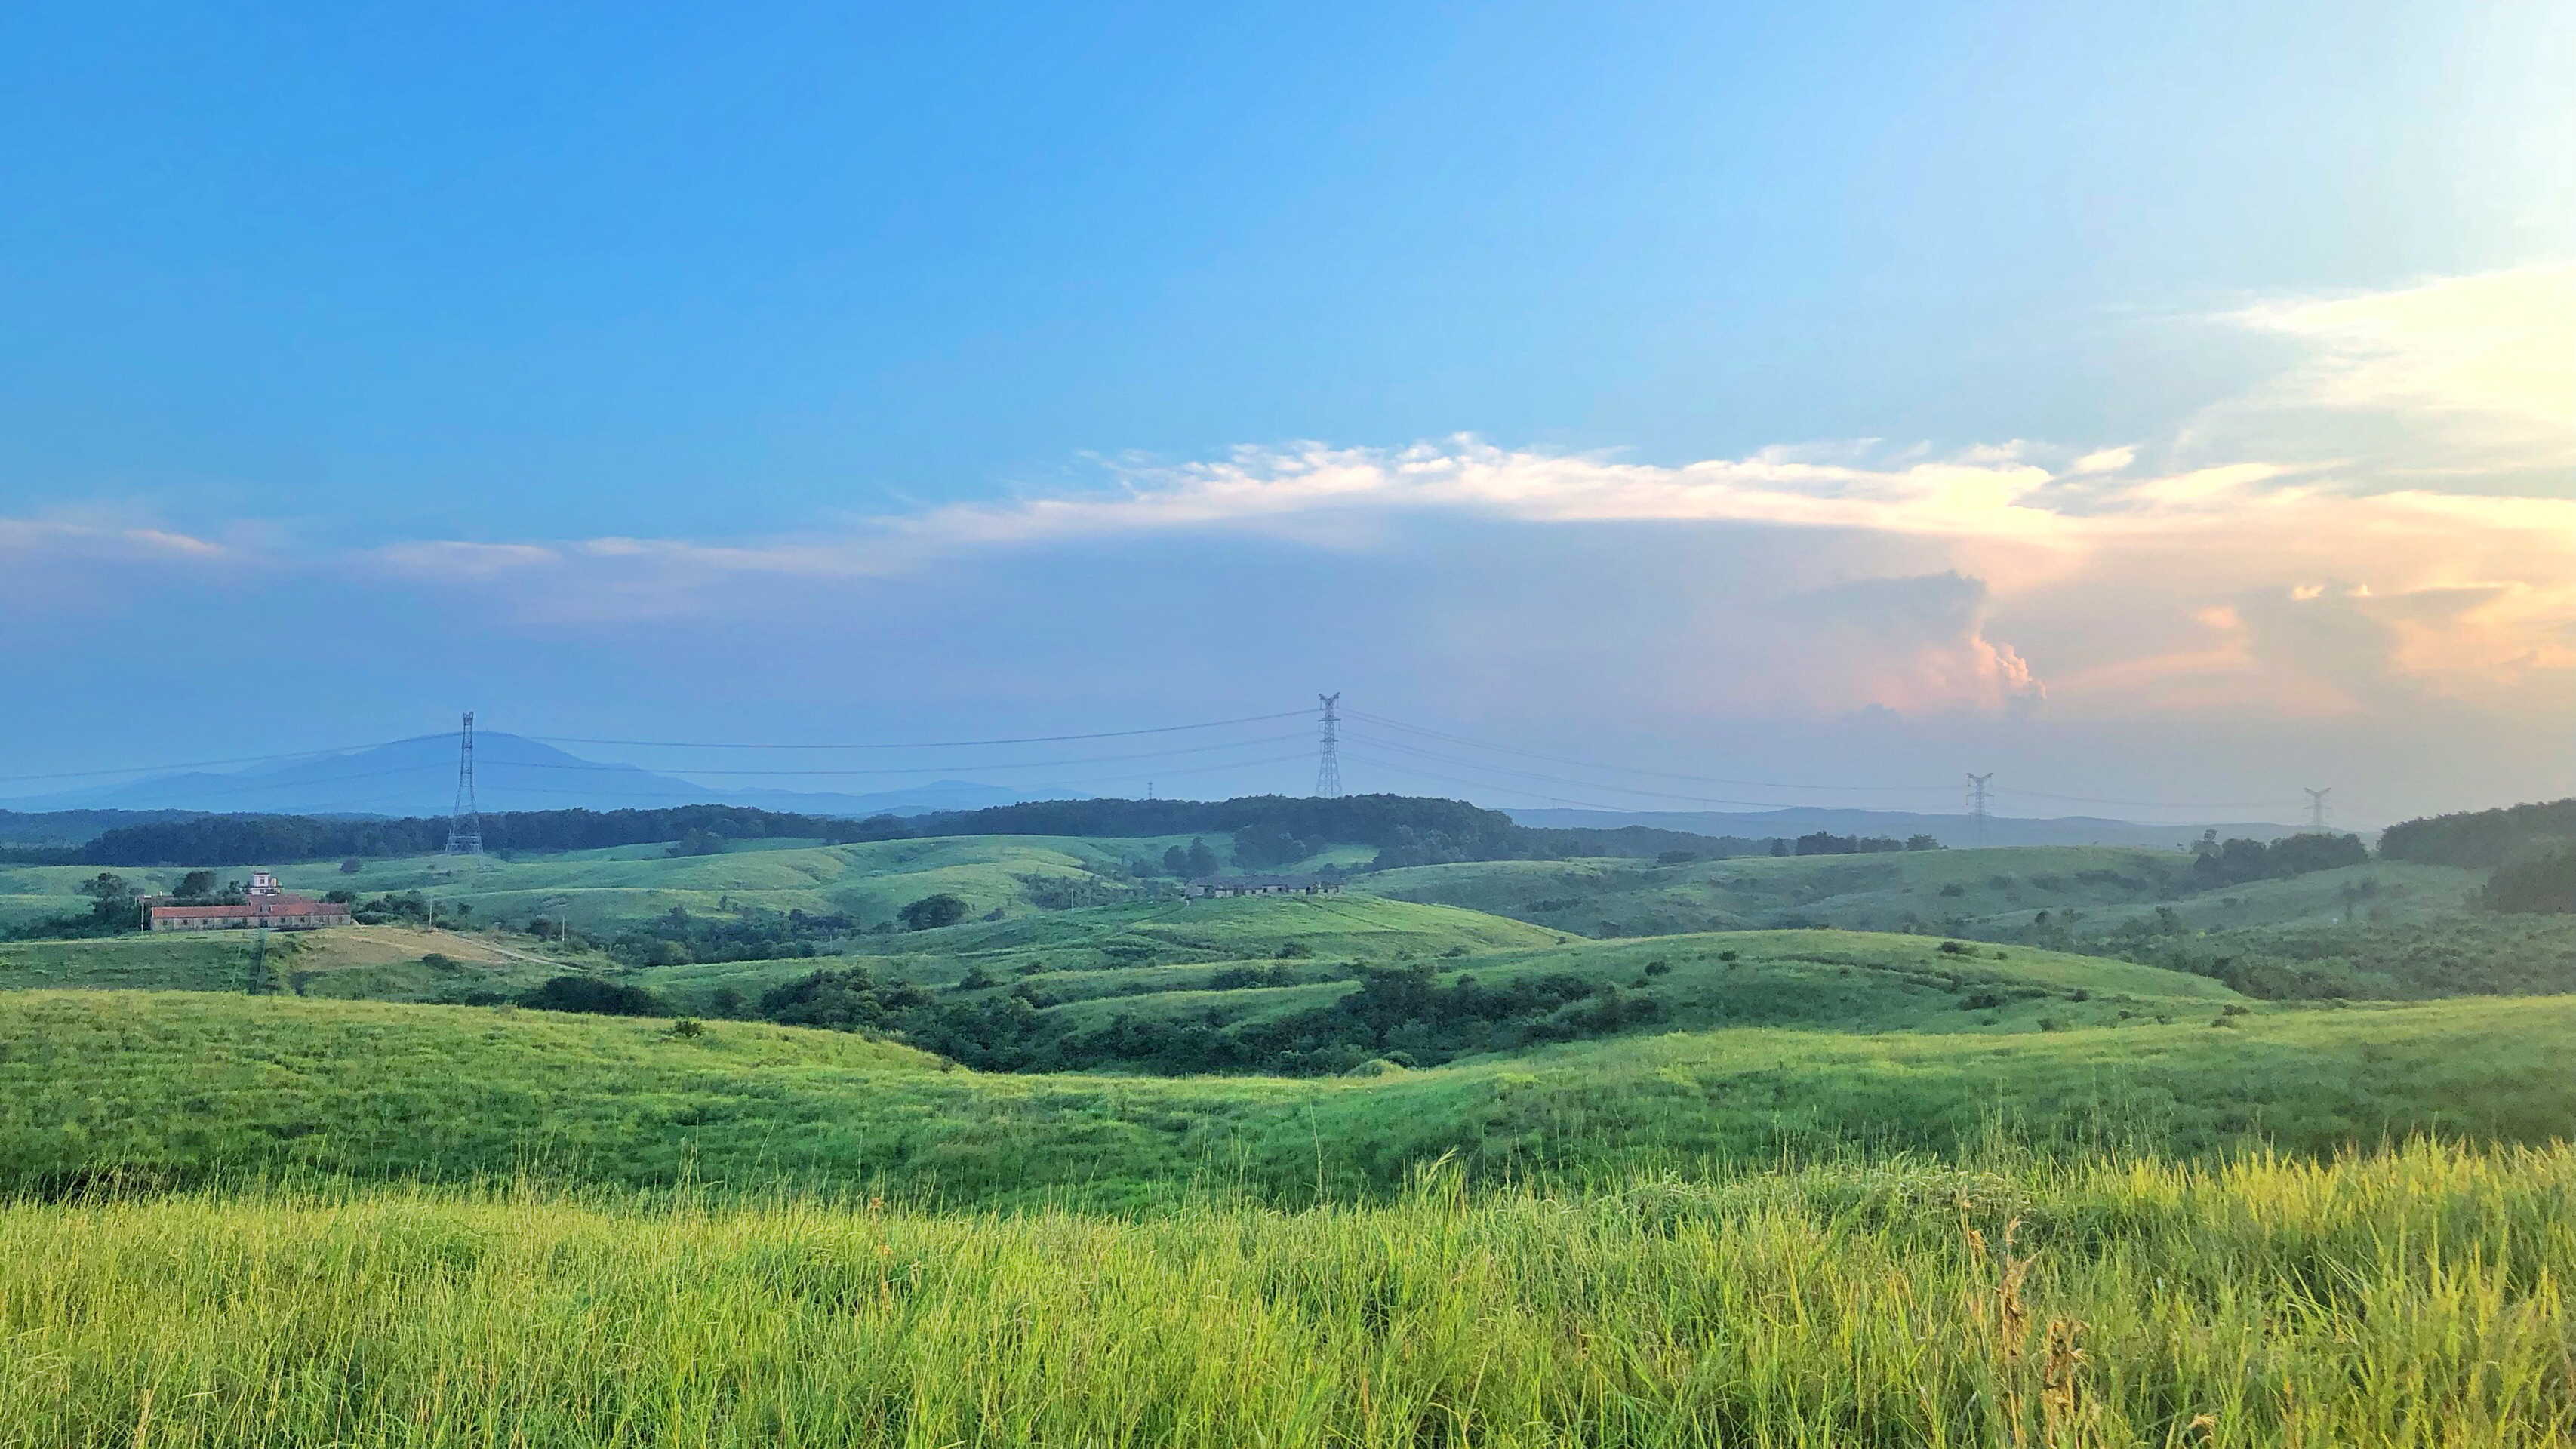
262,907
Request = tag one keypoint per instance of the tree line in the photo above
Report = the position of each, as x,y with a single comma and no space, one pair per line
1402,1015
2482,839
1406,830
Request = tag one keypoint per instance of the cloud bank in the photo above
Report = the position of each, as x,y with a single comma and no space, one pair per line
2384,531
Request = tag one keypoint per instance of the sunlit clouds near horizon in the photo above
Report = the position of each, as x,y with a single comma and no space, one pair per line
2382,533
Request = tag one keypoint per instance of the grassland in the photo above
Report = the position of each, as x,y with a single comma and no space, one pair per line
2407,1299
383,963
1137,944
1819,980
1764,1200
599,890
169,1089
1985,893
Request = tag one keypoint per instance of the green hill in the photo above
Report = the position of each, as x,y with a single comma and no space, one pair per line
1180,1019
1990,894
382,963
599,890
173,1088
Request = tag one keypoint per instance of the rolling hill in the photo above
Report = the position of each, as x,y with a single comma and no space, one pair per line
1998,894
170,1089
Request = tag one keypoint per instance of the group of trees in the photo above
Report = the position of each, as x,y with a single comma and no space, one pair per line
2541,881
268,839
2483,839
680,936
2238,862
1404,1014
1825,842
1268,830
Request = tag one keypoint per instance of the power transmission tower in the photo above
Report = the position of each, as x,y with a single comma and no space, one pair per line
1977,802
465,822
2317,808
1328,764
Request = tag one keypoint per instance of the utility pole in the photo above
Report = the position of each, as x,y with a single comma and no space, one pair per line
2317,808
1328,763
1977,802
258,965
465,822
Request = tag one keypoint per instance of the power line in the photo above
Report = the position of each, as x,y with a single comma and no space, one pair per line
208,764
1633,770
1419,773
921,744
1560,780
2148,804
904,770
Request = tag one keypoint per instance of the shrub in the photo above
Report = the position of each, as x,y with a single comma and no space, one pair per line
932,912
2541,883
592,996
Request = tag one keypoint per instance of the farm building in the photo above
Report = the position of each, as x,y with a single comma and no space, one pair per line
1265,885
262,906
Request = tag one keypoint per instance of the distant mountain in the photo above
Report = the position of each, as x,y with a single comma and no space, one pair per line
75,827
1951,830
511,772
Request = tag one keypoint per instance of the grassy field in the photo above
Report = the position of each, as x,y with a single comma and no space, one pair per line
1826,980
1819,1186
1984,893
2414,1298
159,1090
383,963
602,889
1140,944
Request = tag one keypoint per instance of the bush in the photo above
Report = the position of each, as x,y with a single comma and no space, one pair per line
696,842
932,912
591,996
2544,883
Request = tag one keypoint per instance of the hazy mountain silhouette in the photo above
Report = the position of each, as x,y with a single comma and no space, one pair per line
418,777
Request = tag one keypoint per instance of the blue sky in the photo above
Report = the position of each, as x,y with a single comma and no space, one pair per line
559,364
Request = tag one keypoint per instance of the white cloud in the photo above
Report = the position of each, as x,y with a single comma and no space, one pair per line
2458,378
2319,572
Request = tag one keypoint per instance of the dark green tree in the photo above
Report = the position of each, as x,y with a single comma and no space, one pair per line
932,912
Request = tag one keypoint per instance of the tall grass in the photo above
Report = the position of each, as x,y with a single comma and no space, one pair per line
2402,1298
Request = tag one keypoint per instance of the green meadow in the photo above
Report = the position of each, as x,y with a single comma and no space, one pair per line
167,1090
1978,892
1823,1151
2412,1298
